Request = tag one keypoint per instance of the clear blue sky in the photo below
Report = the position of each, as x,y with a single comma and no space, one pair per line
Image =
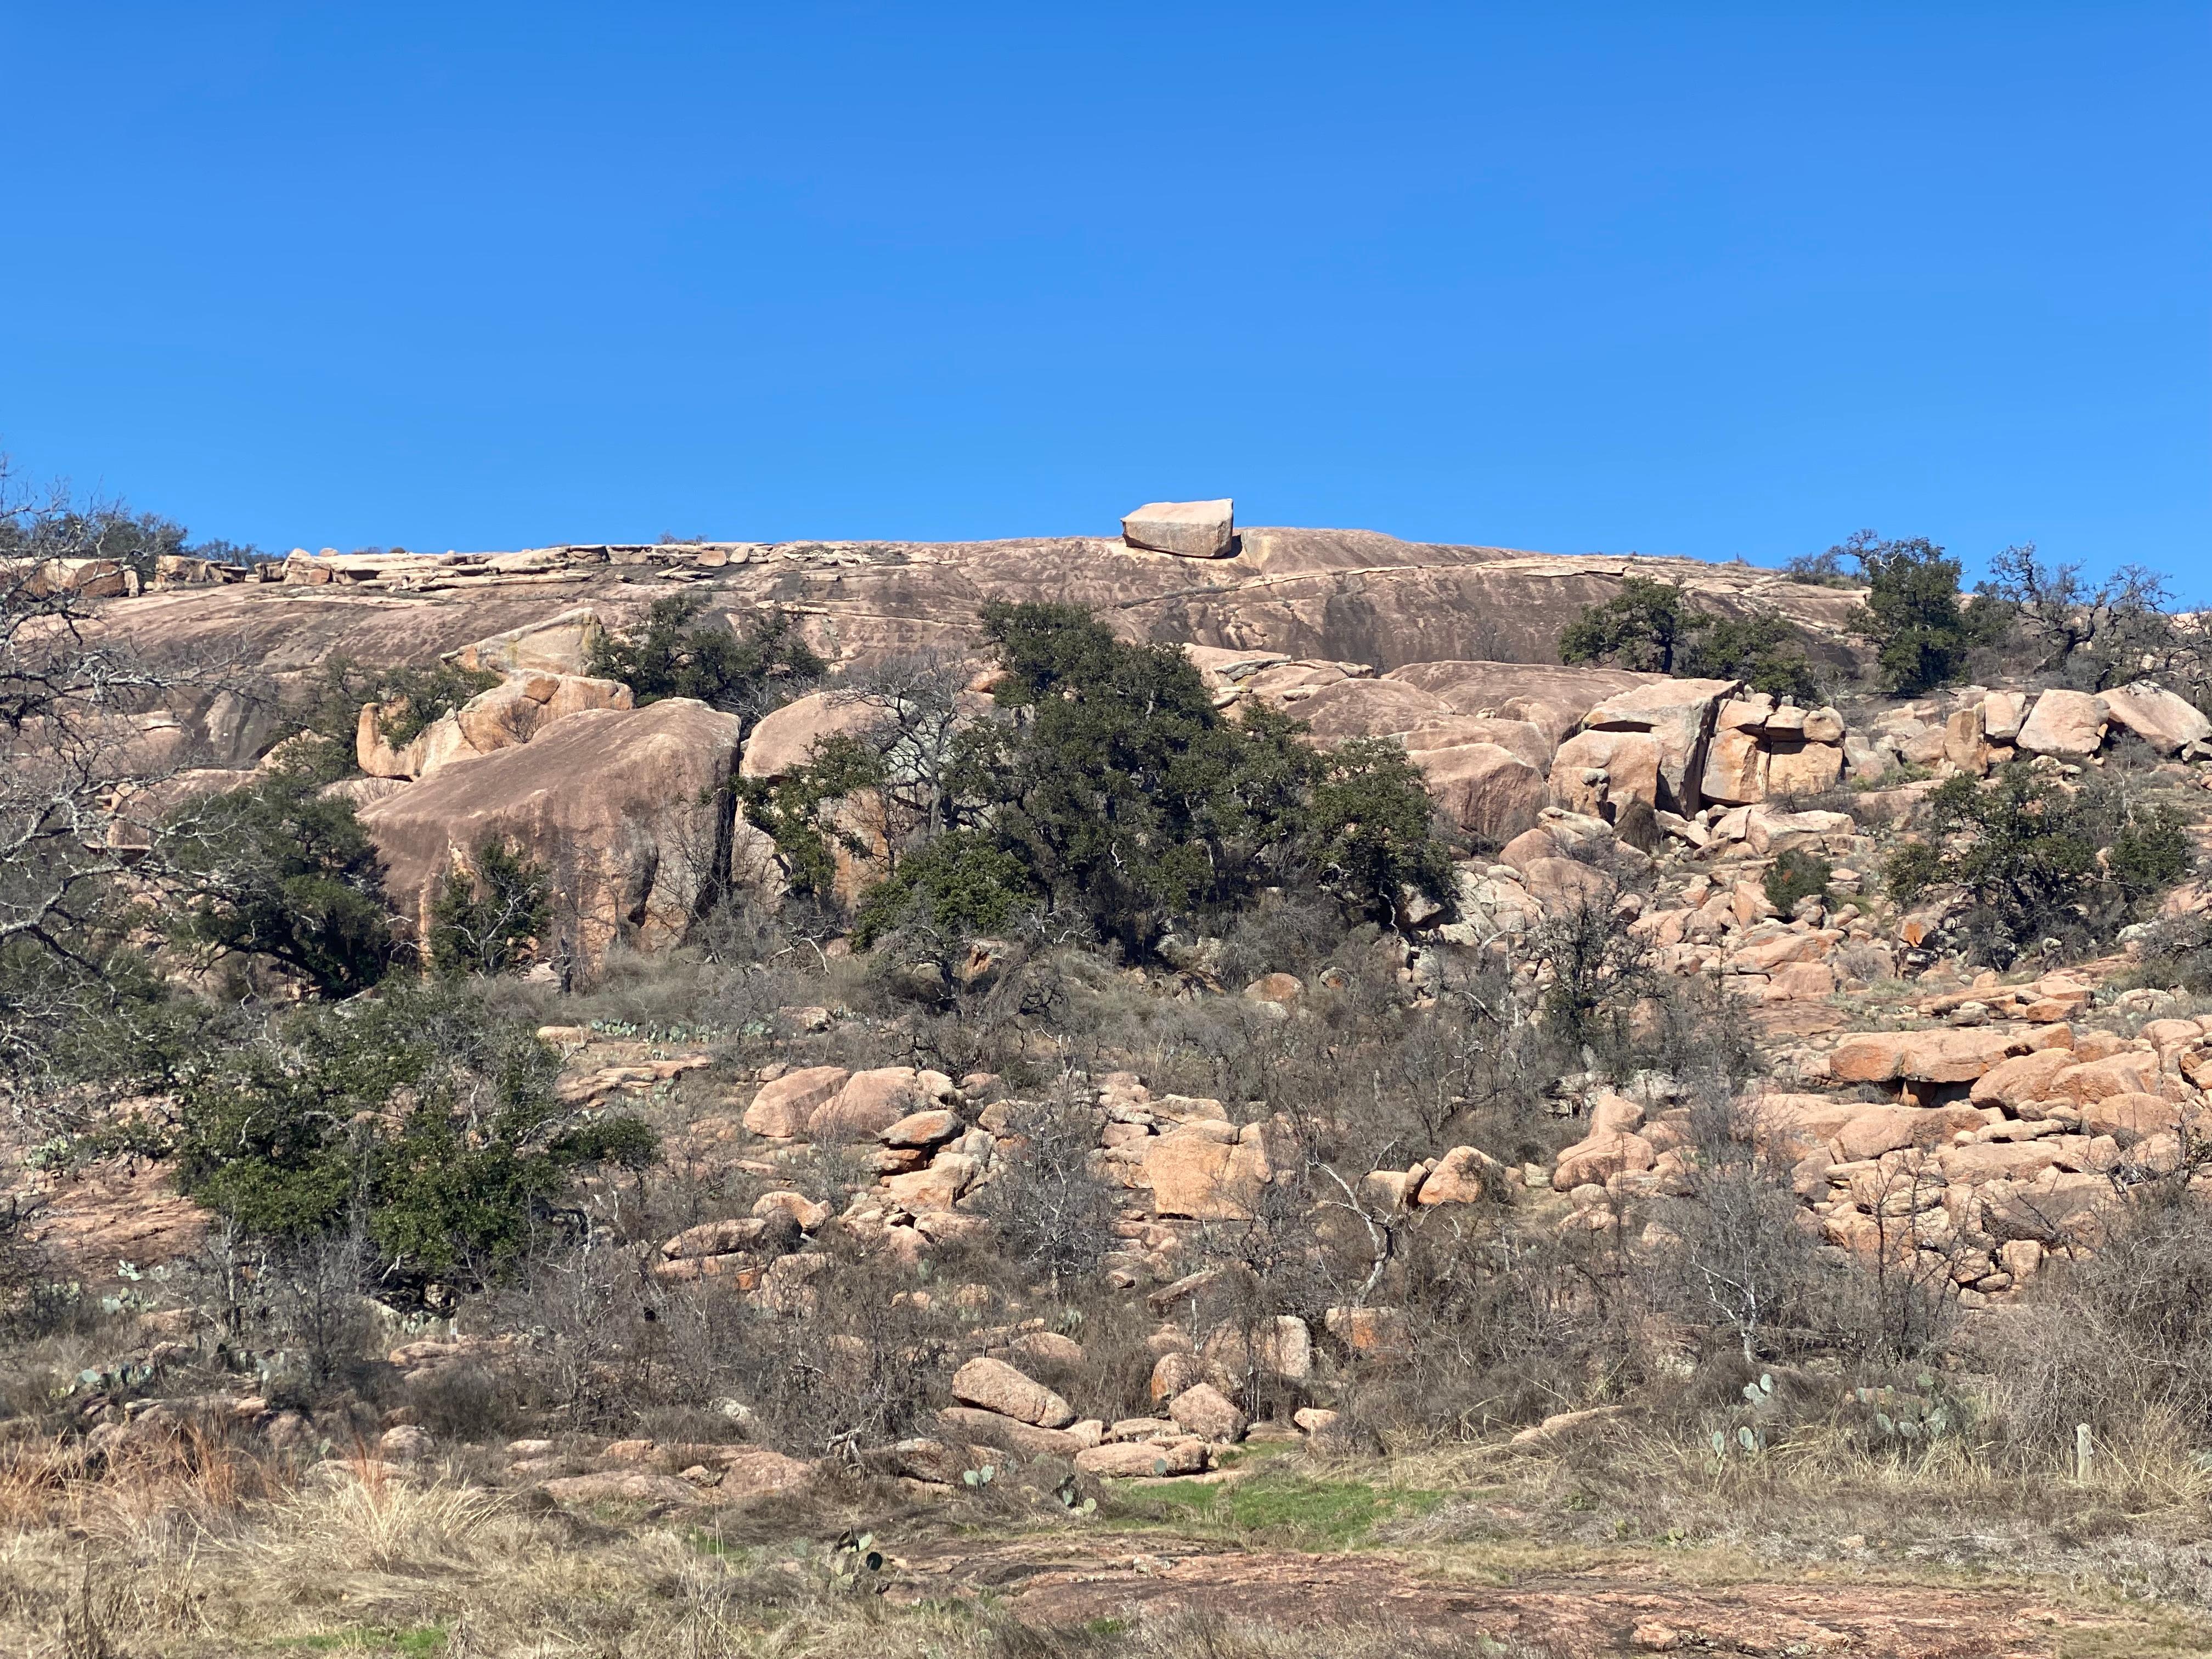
1682,278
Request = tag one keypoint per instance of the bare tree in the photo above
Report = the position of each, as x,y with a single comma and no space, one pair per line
1743,1256
81,798
915,701
2102,633
1054,1214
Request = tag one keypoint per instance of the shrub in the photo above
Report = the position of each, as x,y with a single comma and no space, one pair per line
412,699
1740,1262
1055,1217
1112,797
277,870
490,919
1129,799
109,530
855,1363
1797,874
1920,633
1763,652
1824,569
1504,1322
1597,971
798,812
961,884
2178,954
2092,636
422,696
1369,832
1642,627
415,1114
1651,627
677,654
2039,858
2122,1339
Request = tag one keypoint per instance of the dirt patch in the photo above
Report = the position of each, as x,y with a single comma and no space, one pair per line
1060,1583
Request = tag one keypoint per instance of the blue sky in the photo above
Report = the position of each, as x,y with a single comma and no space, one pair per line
1679,278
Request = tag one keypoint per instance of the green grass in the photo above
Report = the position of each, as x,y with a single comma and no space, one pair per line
420,1642
1286,1509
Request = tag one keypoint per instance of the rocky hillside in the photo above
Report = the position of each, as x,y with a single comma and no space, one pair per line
1763,1091
1349,595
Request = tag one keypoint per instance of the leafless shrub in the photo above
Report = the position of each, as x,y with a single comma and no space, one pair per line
845,1361
1896,1302
1284,935
1052,1213
81,792
1505,1323
1742,1259
1857,959
592,1319
2121,1340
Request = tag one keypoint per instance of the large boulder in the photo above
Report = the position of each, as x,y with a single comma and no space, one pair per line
1488,791
1123,1459
1940,1056
783,1106
2002,715
935,1186
2166,722
1878,1129
782,742
871,1102
1562,886
1679,715
1368,709
993,1385
625,809
1599,1157
978,1427
1206,1171
2132,1071
1204,1411
1803,769
2024,1078
1553,699
1193,530
522,706
1765,830
1464,1175
1735,766
1633,763
2129,1118
1524,738
2066,723
559,644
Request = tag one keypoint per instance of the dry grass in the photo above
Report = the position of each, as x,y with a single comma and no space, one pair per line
2137,1529
359,1562
199,1551
196,1548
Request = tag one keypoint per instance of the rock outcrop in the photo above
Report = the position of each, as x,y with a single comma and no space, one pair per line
1319,595
625,809
506,715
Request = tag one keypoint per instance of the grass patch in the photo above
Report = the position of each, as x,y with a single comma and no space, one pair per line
1243,1456
1284,1509
420,1642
